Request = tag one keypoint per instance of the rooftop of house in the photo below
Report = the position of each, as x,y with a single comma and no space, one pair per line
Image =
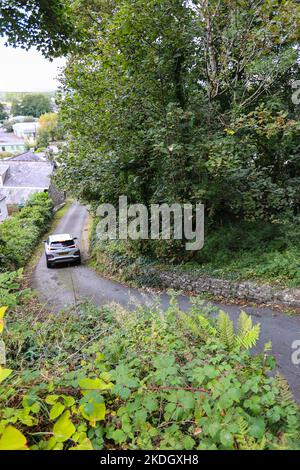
15,196
10,138
26,174
28,157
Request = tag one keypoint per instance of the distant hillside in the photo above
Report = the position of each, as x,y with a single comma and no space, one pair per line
18,95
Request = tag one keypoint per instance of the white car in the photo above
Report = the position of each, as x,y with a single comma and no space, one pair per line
61,249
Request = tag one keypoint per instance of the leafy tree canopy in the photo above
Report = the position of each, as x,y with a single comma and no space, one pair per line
34,104
50,129
44,24
175,101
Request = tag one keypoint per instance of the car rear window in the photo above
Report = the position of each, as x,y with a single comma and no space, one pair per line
65,243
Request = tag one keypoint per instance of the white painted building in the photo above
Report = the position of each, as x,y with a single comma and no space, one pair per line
26,130
11,143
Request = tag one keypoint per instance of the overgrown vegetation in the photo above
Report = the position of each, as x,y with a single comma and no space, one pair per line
104,379
20,233
181,102
260,251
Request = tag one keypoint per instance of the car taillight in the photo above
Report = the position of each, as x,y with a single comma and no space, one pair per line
77,252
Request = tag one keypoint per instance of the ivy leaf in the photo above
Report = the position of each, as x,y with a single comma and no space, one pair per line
63,429
12,439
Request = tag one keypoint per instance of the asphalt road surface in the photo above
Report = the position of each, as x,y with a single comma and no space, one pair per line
66,285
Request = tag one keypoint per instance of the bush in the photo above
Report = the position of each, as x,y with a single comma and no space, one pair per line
104,379
5,155
20,233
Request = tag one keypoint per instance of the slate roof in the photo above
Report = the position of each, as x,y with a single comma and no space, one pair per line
27,174
27,157
24,178
15,196
10,138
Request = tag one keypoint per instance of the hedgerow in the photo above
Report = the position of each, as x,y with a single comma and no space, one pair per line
20,233
107,379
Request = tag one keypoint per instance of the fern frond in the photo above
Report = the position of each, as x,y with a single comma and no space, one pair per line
247,334
249,443
244,323
205,326
285,394
248,339
226,330
190,325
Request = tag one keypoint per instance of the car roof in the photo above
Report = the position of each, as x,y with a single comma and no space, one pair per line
60,238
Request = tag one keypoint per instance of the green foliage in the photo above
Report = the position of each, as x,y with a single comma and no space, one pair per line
257,251
5,155
46,25
20,233
34,104
173,101
50,129
251,250
10,294
105,379
3,114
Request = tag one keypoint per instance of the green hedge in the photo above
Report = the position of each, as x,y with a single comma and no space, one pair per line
20,233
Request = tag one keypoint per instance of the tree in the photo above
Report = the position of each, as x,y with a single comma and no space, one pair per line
3,114
159,105
32,105
46,25
50,129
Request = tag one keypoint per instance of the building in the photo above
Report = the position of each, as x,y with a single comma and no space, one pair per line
11,143
26,130
22,176
3,207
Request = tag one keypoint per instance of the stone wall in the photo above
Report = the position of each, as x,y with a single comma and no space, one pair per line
248,291
58,197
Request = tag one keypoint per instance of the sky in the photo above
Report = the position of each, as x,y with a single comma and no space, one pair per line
22,70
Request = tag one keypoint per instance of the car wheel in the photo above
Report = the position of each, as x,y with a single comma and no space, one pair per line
78,261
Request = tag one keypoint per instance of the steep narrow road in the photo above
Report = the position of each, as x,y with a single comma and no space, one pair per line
66,285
